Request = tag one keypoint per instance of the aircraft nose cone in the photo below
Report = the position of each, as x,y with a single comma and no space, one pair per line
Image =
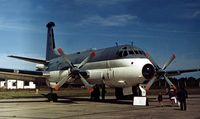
148,71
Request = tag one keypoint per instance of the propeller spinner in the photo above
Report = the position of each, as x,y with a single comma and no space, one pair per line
158,72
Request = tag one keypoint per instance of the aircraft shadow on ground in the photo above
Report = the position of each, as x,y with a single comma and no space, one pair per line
63,99
112,101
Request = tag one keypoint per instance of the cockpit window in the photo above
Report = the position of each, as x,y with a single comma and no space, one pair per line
131,52
125,51
124,48
143,53
136,52
140,52
121,53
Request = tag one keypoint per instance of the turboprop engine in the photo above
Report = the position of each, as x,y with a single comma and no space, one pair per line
40,67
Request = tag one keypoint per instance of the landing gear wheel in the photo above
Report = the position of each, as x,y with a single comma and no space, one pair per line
52,97
119,93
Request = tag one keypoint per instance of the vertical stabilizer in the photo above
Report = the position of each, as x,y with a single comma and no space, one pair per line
50,54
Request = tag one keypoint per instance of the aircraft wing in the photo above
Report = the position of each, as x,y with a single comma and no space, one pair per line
38,61
25,75
179,72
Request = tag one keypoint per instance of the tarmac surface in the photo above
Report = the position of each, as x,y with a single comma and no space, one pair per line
83,108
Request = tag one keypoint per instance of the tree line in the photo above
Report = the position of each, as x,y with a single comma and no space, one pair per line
187,82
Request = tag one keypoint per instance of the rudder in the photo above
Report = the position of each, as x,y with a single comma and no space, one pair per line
50,54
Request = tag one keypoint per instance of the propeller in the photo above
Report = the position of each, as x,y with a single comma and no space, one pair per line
64,56
61,82
160,72
148,56
169,62
74,71
150,83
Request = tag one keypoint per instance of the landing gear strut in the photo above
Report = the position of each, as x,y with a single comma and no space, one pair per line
120,95
103,92
95,95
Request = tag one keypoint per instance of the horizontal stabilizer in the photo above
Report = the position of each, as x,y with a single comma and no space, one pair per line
38,61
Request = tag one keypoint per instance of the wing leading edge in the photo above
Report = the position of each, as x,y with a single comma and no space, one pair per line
24,75
179,72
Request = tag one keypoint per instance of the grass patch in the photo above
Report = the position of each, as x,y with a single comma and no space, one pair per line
9,94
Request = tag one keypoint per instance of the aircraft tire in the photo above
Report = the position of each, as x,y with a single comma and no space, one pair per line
119,93
52,97
49,97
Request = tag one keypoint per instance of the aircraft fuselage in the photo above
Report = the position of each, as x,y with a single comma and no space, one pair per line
119,66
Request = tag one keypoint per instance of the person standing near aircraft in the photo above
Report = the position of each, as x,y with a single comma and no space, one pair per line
103,92
182,96
171,94
160,98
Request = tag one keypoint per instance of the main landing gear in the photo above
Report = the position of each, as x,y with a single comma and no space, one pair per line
133,91
52,96
95,95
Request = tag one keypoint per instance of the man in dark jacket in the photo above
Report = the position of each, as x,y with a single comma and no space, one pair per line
182,96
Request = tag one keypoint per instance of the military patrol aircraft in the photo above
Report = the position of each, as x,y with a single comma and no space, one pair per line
119,67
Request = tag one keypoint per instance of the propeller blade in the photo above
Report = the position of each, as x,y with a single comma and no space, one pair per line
150,83
89,86
61,82
169,62
64,56
169,82
92,54
148,56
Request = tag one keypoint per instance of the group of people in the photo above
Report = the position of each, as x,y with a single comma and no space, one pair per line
181,95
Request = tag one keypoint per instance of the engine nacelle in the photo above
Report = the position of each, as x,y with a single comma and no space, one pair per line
56,76
41,67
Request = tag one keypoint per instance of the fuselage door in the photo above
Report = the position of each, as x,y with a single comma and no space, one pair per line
110,71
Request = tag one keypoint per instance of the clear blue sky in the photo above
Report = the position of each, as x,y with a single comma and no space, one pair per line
160,27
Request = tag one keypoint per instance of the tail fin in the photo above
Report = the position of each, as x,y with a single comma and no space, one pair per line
50,54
